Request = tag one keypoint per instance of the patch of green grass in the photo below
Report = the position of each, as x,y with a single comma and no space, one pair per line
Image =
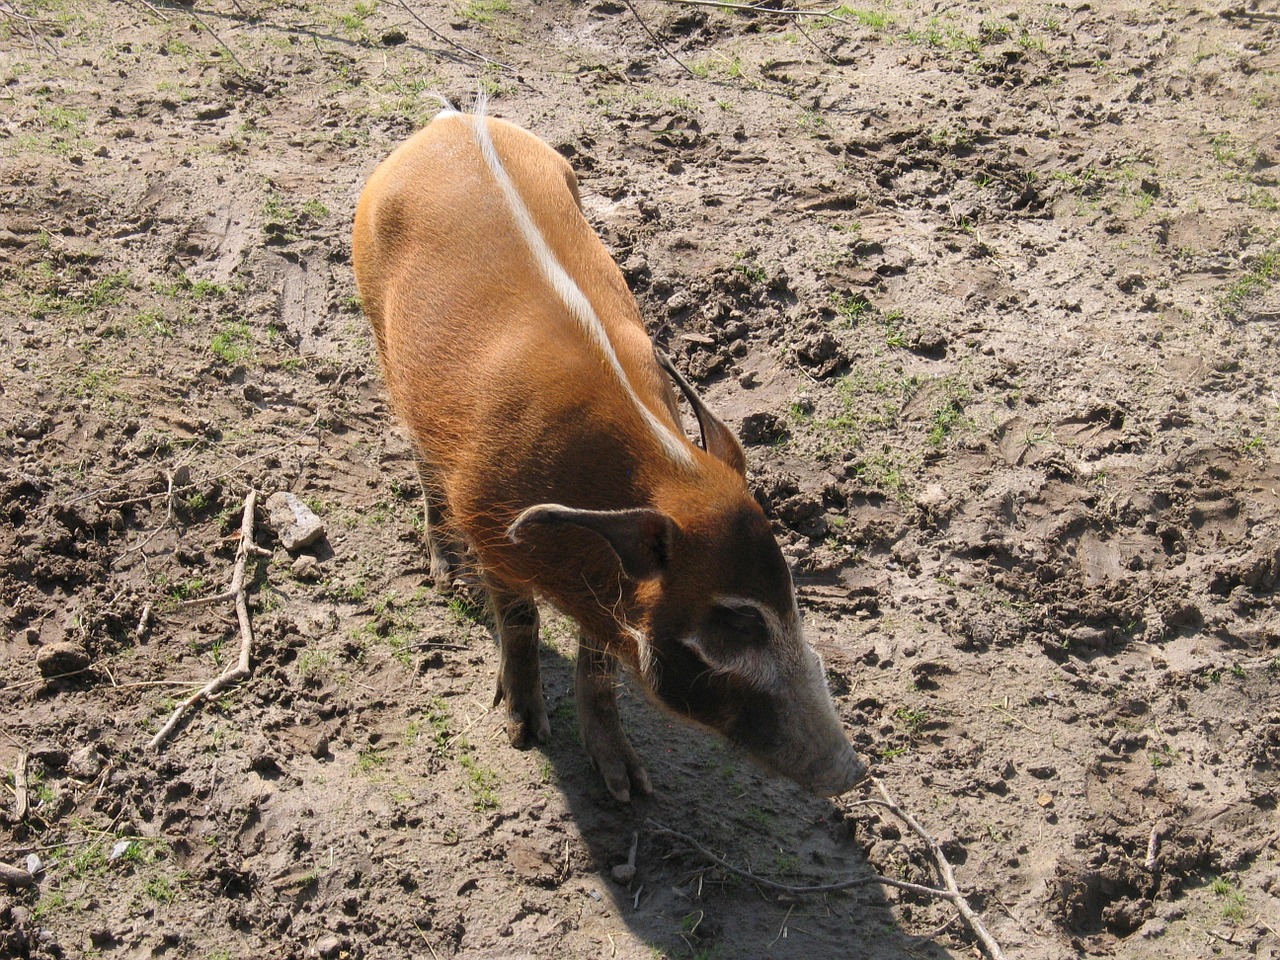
953,139
1233,897
948,412
1229,151
885,471
853,309
162,888
913,720
717,66
481,781
811,121
1162,756
97,383
877,20
232,343
50,905
1257,281
314,663
354,21
483,11
1261,199
47,291
315,209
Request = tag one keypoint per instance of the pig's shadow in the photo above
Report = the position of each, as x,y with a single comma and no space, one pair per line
704,789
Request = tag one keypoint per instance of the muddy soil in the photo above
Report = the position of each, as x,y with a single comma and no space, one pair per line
992,293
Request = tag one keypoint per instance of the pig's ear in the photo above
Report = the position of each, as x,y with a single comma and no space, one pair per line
641,538
736,640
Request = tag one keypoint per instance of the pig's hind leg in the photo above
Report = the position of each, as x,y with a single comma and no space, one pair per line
601,727
515,618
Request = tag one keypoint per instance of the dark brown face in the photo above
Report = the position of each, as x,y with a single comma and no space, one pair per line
729,653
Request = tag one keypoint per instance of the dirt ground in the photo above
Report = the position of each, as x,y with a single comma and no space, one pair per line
992,293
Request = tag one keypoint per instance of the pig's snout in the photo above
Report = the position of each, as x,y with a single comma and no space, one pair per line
830,779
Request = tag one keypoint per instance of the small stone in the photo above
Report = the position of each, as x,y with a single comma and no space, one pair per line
320,746
55,659
294,522
306,567
328,946
624,873
34,864
85,763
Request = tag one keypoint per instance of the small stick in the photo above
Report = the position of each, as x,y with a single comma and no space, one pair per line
654,37
952,892
403,5
209,30
236,592
15,876
20,797
782,927
56,676
1153,848
788,888
1251,15
812,42
144,622
760,8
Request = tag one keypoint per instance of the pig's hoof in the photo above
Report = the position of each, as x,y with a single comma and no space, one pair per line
527,722
524,730
623,774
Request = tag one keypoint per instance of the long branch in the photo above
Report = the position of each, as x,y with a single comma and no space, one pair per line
235,592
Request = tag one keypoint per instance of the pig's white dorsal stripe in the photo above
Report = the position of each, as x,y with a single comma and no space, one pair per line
570,294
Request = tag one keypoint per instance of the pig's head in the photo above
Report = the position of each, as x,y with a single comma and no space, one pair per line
717,633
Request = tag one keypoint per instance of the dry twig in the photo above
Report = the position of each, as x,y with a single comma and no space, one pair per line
20,798
15,876
790,888
952,892
235,593
829,14
403,5
654,37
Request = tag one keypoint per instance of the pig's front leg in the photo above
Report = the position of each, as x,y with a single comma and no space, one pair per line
600,724
444,552
519,679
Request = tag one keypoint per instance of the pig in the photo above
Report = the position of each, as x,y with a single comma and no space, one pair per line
551,452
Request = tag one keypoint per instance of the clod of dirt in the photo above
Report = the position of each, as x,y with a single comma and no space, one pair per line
305,567
55,659
85,763
762,427
295,523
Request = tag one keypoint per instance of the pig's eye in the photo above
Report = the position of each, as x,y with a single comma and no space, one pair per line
739,624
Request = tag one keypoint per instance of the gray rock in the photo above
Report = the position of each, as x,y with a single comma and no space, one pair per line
294,522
